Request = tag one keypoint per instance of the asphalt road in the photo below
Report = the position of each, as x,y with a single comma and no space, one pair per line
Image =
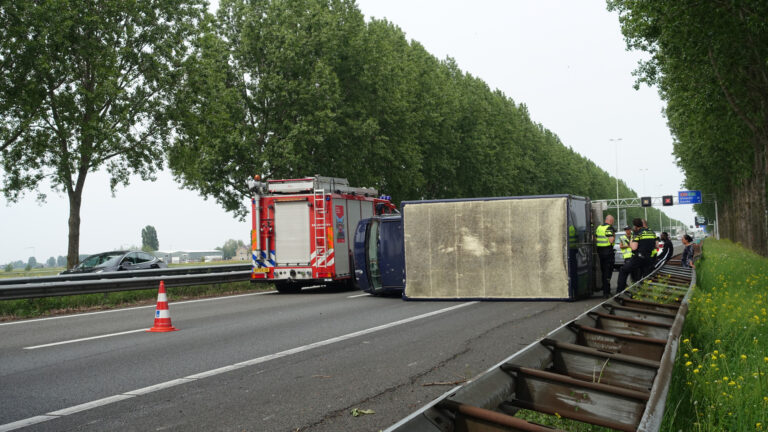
264,362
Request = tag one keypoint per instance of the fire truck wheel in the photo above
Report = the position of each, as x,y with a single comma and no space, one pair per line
285,287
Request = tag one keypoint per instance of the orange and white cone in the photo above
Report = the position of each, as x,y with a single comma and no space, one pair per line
162,314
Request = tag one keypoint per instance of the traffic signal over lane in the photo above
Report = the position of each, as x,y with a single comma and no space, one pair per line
667,200
645,201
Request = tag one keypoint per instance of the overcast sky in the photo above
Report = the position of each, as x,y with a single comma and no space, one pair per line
565,60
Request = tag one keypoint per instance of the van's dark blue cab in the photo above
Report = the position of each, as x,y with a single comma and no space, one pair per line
379,255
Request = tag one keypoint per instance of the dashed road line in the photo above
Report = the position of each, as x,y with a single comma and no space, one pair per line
168,384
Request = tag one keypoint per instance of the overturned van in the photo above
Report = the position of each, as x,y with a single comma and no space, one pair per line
531,247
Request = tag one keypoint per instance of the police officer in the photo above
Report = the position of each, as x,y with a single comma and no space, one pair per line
604,238
626,251
641,273
643,242
666,251
624,240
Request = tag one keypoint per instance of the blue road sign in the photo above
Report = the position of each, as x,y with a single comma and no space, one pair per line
689,197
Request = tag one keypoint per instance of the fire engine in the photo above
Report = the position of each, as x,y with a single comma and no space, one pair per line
302,229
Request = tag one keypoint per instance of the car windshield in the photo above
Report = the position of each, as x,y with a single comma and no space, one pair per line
101,260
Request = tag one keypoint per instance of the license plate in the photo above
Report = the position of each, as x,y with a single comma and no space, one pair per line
261,270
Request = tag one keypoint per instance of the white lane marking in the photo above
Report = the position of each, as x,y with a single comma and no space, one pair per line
84,339
359,295
90,405
168,384
212,372
26,422
156,387
347,336
134,308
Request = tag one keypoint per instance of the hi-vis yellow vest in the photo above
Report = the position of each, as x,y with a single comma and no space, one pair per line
600,237
626,252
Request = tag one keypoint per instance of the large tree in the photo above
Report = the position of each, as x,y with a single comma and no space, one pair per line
149,238
83,87
262,96
709,60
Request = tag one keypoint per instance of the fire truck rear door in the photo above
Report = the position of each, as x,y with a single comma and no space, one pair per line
292,236
341,215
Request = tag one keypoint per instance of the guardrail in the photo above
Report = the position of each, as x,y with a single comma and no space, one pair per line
609,367
90,283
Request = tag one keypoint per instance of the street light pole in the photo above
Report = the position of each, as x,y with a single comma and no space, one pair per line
644,170
618,214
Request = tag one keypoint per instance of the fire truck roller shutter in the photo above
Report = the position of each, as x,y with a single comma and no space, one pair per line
502,248
292,236
343,210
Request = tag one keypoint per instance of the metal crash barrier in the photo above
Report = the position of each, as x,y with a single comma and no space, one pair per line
90,283
609,367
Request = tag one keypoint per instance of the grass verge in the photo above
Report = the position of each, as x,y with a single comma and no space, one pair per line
719,382
49,306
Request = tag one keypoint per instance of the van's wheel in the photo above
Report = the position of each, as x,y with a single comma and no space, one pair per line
285,287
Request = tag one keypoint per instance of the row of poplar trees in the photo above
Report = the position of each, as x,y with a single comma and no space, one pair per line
281,88
297,87
710,61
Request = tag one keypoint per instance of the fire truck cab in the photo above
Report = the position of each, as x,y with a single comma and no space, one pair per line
302,230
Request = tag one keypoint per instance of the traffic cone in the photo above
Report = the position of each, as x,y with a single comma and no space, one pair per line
162,314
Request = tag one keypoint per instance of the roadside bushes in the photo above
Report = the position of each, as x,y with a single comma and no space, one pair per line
720,382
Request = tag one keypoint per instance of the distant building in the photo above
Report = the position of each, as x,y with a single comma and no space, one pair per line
180,257
243,253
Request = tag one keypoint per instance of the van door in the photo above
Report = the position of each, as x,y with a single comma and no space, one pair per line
360,253
372,256
391,253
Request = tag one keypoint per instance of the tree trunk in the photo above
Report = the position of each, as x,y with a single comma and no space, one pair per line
73,248
744,218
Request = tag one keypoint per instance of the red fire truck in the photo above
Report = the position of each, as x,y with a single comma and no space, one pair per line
302,229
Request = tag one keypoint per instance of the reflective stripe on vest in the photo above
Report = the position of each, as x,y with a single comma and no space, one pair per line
647,234
601,238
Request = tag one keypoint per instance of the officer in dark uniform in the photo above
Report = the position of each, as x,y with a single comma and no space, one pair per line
605,236
643,242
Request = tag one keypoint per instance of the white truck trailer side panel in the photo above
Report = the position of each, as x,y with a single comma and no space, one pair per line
292,234
502,248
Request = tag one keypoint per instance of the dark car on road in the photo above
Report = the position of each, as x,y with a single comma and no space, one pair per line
117,261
